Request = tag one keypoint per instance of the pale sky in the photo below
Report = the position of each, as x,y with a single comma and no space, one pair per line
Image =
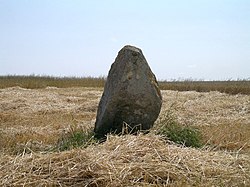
199,39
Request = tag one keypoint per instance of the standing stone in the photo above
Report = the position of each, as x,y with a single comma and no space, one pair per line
131,95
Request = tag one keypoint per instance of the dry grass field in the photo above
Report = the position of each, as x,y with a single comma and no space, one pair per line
33,121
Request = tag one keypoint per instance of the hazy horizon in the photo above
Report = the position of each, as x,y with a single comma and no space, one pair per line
207,40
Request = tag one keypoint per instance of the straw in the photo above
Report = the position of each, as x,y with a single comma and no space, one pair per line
143,160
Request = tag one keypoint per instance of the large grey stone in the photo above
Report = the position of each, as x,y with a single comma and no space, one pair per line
131,95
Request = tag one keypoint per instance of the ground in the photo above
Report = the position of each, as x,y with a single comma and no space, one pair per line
35,119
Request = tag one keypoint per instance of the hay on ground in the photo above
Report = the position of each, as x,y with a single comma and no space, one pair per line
143,160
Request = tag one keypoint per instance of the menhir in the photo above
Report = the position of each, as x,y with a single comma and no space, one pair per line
131,99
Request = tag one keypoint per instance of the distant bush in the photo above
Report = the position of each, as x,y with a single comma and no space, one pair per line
36,82
171,130
230,86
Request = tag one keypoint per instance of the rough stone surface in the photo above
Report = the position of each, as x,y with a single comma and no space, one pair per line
131,95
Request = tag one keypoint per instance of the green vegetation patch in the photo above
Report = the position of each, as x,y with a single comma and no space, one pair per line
75,139
171,130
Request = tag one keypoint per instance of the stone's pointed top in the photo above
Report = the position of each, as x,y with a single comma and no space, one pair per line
132,48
